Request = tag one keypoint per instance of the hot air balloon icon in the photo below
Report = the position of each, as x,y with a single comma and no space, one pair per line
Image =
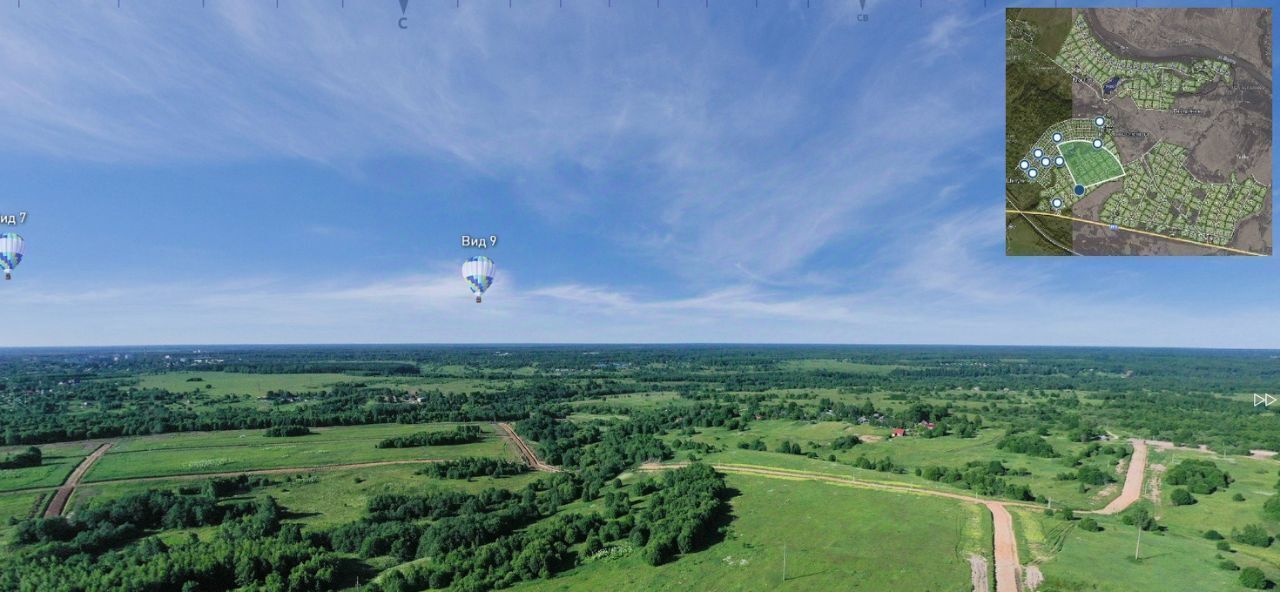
11,248
478,271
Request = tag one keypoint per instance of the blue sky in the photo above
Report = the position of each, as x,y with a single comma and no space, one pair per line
247,174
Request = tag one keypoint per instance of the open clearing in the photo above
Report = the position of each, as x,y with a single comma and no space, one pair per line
324,498
57,463
240,450
874,549
909,451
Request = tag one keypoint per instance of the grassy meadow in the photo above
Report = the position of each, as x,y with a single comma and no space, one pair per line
243,450
874,548
910,451
56,464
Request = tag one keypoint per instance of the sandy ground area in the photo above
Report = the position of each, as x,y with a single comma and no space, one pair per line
978,573
1132,490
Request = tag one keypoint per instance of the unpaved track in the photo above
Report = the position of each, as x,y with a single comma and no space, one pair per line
978,573
1006,543
1006,548
526,451
1132,490
837,479
60,497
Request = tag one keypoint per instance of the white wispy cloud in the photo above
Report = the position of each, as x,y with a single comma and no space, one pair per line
813,189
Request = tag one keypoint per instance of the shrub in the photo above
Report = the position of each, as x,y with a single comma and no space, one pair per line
846,442
1090,525
1213,535
1253,578
288,431
1029,444
31,457
1182,497
1093,476
465,434
1272,507
1141,517
1200,476
1228,565
1224,546
1253,535
1237,497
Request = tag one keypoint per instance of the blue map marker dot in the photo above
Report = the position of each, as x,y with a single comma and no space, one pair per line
1079,189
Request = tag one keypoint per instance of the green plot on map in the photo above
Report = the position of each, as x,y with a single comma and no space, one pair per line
1090,166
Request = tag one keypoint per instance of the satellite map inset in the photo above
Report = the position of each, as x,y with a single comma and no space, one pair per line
1138,131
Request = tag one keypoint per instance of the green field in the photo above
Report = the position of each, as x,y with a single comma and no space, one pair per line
635,401
1103,561
326,498
874,548
1254,479
217,384
842,366
58,462
241,450
227,383
910,451
16,505
1090,166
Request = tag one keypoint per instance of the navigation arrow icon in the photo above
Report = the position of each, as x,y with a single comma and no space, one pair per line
404,6
1265,400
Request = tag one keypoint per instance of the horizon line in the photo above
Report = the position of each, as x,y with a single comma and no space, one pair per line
532,344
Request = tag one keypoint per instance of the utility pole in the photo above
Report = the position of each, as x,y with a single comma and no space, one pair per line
784,562
1139,545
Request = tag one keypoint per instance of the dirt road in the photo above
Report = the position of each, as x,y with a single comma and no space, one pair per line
1006,548
836,479
1006,543
1132,490
526,451
60,497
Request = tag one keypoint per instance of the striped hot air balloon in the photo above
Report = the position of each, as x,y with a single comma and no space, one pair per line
478,271
11,249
